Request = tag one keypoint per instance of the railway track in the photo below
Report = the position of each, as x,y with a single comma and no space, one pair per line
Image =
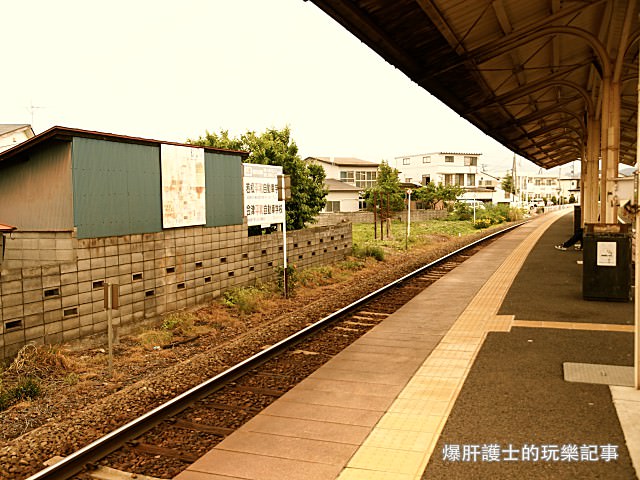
165,440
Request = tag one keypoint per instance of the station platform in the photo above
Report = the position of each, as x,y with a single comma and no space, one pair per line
464,381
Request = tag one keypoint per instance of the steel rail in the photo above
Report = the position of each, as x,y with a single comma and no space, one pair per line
100,448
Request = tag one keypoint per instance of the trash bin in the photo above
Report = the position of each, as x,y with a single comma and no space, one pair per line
606,266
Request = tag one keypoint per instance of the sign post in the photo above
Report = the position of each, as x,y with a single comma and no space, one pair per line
406,240
284,193
111,293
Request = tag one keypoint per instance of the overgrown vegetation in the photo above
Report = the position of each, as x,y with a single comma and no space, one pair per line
245,299
23,379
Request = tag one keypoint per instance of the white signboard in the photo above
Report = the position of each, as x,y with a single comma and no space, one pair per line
260,187
606,254
183,186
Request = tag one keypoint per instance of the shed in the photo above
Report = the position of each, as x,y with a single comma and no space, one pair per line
103,184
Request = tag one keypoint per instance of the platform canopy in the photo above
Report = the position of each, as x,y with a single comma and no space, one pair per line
532,74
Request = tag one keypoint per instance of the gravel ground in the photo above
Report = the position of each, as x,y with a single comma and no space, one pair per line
74,413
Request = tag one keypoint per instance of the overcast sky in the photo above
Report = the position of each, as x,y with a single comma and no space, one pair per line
170,70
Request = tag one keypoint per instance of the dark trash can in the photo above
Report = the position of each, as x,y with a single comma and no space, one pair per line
577,218
606,266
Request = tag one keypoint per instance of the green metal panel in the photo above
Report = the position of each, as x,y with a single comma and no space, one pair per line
116,188
224,189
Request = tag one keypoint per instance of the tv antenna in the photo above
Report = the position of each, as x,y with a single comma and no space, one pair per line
32,109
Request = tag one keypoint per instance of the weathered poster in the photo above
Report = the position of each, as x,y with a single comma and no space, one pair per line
183,186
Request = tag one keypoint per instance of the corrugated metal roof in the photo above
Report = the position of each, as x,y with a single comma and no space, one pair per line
64,133
528,74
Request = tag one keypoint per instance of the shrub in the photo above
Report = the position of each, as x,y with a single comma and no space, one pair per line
245,299
179,323
368,251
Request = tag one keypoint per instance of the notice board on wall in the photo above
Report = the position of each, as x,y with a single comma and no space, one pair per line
183,186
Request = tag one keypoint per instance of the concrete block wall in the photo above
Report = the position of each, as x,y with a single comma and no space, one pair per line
56,302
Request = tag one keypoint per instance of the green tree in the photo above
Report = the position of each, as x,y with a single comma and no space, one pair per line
507,183
387,188
276,147
431,194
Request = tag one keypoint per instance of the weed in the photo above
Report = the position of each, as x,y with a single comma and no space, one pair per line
153,338
316,276
351,265
179,323
245,299
368,251
27,388
292,279
71,379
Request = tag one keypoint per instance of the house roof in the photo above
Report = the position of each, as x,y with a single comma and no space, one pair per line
7,228
531,74
337,186
66,134
12,127
344,161
440,153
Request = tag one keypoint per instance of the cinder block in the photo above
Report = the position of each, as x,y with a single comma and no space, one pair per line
34,333
97,263
111,261
111,250
14,312
32,272
53,327
11,287
12,300
85,309
69,335
14,337
52,304
68,278
70,301
86,330
83,265
50,281
33,320
33,308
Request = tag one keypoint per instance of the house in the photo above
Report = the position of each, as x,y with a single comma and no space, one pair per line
440,167
341,197
353,172
11,134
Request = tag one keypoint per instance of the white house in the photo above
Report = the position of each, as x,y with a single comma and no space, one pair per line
11,134
346,178
439,167
341,197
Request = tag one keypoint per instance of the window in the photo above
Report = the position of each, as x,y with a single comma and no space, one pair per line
332,206
448,158
460,179
426,179
406,161
364,179
407,179
448,179
471,161
426,159
347,177
471,179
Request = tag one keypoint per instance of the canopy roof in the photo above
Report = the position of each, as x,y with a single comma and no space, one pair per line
527,73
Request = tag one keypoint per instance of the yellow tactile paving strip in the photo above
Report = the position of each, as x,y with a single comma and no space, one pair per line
400,445
600,327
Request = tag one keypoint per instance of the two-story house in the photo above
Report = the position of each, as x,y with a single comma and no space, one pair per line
346,178
440,167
